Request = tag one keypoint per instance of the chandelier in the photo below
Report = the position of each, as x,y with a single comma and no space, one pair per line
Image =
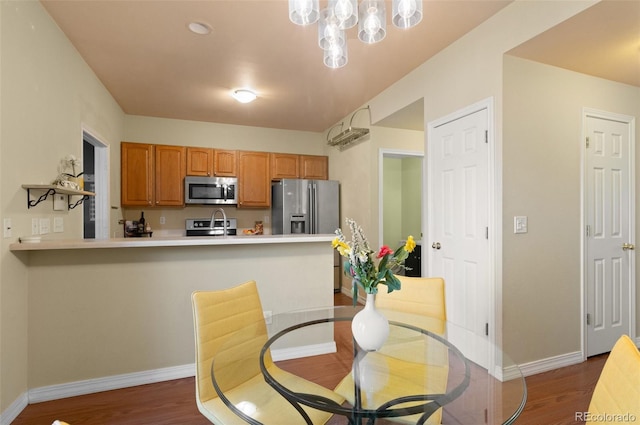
340,15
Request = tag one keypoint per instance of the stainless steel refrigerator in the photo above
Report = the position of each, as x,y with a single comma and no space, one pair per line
307,206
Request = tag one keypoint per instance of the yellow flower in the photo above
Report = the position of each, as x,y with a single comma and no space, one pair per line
410,245
342,247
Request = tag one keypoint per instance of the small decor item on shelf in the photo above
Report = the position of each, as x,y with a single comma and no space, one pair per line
67,176
369,269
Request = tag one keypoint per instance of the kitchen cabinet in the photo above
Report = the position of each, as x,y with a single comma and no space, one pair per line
285,166
254,179
314,167
199,162
152,175
225,163
170,166
211,162
291,166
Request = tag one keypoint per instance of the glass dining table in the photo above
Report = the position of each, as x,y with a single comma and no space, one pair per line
427,372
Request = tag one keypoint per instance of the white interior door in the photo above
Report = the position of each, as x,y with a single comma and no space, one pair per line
609,236
458,243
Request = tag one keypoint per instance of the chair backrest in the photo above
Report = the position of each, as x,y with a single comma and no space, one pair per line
617,392
217,315
418,295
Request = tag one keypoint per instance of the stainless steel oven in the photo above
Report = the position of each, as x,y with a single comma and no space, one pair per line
210,190
203,227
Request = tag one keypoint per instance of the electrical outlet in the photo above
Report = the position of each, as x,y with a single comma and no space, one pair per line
45,226
58,225
59,203
162,220
7,227
35,226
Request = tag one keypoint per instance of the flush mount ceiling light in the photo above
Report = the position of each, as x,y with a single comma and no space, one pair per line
199,28
341,15
244,95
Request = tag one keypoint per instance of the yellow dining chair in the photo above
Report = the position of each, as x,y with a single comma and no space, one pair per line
616,397
219,315
407,363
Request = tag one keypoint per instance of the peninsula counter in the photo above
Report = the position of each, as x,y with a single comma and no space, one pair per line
106,314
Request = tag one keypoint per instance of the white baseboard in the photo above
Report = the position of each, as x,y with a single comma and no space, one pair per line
89,386
14,410
550,363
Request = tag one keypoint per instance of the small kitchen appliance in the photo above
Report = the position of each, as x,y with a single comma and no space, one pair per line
202,227
210,190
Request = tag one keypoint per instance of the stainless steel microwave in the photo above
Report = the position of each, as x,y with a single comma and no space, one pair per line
210,190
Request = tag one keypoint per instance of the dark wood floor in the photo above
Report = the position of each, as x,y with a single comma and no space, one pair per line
554,398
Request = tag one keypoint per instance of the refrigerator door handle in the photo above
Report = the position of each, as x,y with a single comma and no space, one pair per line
313,209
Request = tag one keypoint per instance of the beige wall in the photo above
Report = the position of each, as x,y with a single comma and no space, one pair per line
48,94
542,180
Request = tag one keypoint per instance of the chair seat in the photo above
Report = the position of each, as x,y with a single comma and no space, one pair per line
388,378
273,408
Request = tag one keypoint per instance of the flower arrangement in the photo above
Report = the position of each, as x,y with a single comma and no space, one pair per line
361,261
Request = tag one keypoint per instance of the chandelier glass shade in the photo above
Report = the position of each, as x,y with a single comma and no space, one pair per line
346,12
329,32
372,26
336,56
406,13
340,15
304,12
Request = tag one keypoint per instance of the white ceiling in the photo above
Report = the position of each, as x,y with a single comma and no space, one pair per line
153,66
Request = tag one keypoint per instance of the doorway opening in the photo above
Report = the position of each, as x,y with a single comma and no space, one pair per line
96,177
401,202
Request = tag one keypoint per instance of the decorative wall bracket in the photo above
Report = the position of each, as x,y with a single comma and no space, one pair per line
52,190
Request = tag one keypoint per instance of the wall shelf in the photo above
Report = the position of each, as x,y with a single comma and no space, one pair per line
50,189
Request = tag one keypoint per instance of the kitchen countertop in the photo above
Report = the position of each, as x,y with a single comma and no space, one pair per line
55,244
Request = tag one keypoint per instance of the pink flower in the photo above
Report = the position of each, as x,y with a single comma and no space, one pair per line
384,250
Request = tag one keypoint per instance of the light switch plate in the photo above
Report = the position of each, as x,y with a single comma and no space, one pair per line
35,226
520,224
58,225
45,226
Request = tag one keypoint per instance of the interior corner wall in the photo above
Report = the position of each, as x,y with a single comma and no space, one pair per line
542,180
48,94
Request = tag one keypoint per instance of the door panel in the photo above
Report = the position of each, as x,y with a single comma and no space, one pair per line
458,163
609,220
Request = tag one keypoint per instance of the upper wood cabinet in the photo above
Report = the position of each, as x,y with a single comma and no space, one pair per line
314,167
285,166
136,179
292,166
152,175
225,163
211,162
170,165
254,179
199,162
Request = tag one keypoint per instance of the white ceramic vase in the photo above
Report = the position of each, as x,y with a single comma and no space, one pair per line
369,327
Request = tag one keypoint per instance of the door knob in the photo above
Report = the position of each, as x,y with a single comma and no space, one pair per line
628,246
436,245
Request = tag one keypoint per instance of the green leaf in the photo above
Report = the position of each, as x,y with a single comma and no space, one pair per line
393,284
